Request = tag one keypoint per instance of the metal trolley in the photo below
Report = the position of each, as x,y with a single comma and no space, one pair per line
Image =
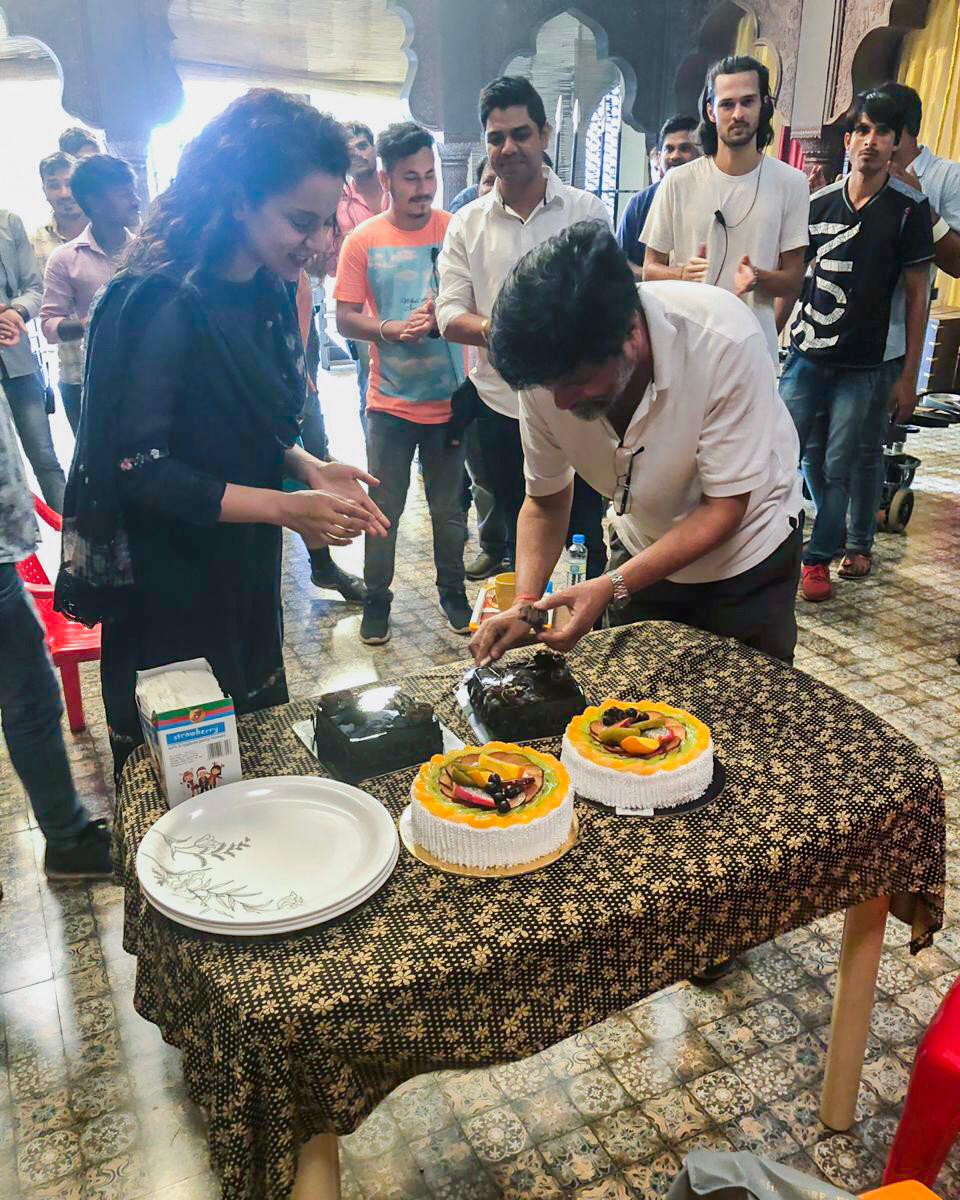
936,411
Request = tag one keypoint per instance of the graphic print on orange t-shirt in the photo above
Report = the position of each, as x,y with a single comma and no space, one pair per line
393,271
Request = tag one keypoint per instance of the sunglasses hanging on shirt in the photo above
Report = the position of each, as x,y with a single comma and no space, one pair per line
621,495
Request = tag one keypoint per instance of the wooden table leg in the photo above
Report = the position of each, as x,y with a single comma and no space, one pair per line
318,1169
852,1007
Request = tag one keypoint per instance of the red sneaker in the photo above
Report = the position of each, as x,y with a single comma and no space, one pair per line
815,582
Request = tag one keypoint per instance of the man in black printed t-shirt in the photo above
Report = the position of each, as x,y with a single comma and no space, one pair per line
866,232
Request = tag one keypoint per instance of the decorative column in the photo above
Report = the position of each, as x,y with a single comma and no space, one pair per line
844,46
455,157
823,150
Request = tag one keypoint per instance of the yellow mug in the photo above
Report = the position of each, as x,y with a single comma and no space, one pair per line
505,587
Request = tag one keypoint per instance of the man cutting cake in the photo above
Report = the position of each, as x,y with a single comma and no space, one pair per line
663,397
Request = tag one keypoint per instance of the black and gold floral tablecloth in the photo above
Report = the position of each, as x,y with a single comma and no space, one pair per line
824,806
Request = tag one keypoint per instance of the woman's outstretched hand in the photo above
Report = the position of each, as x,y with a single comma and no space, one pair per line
336,509
343,482
323,518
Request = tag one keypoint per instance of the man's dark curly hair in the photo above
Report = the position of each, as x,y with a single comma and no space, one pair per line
262,144
568,303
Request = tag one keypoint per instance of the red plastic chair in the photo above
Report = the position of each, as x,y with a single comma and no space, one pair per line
69,642
931,1111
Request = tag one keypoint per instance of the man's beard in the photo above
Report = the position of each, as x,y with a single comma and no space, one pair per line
599,406
592,410
740,138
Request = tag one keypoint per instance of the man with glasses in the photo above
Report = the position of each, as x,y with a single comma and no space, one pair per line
663,397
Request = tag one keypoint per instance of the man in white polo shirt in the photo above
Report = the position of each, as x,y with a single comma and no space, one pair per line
483,242
663,397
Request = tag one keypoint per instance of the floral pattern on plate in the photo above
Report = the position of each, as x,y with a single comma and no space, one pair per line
224,897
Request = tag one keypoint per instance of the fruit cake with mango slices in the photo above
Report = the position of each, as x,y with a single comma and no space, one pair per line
497,806
645,755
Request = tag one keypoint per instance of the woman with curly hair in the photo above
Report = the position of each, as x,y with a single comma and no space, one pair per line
193,394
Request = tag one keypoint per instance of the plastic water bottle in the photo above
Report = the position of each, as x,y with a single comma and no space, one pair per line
576,560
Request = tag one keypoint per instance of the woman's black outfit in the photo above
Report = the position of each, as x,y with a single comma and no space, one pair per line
189,386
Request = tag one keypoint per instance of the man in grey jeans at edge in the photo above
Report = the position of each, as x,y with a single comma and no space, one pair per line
30,706
21,288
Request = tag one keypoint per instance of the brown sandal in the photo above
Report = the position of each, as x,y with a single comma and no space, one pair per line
855,566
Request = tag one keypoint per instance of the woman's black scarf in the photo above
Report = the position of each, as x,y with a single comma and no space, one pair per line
267,393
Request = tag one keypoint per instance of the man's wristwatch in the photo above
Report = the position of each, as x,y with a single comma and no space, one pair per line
621,593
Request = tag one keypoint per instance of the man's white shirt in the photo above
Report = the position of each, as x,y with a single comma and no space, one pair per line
766,213
940,180
484,242
711,423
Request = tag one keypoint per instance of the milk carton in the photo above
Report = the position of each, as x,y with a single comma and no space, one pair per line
190,728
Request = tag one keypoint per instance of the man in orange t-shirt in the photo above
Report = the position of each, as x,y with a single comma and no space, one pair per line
387,269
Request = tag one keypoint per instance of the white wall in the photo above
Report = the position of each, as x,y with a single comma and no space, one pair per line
35,119
203,99
634,164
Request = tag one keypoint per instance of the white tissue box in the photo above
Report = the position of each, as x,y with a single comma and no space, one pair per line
190,727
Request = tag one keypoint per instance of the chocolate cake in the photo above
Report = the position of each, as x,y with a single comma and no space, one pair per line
362,732
533,698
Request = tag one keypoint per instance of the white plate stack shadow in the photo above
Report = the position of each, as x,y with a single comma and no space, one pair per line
267,856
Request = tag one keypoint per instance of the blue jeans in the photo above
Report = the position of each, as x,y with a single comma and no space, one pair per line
836,410
28,406
866,482
491,526
71,394
30,711
390,447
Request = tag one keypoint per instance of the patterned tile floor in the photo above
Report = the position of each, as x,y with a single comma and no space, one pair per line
91,1103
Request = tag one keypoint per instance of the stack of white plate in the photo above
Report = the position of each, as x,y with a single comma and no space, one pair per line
267,856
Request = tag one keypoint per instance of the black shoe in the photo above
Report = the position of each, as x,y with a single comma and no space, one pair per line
712,973
458,612
88,858
329,575
485,566
375,626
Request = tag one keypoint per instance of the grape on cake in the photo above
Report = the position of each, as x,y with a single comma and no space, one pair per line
498,806
645,755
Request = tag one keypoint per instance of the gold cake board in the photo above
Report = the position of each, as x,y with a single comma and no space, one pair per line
406,836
